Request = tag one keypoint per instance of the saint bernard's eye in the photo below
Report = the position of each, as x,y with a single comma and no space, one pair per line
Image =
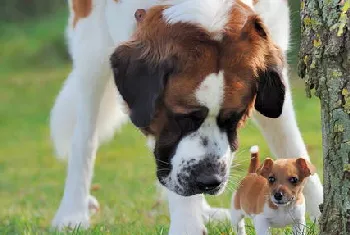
191,121
225,121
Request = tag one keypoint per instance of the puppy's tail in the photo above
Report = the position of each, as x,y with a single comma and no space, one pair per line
254,159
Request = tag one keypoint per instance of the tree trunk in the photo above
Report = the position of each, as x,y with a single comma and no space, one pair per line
325,66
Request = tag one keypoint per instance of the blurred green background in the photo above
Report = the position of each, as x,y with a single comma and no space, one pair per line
32,34
33,65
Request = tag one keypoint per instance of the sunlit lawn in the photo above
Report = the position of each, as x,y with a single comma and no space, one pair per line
31,179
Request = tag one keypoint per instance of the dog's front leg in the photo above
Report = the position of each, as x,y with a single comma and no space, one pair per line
87,83
299,226
76,201
262,226
285,141
186,215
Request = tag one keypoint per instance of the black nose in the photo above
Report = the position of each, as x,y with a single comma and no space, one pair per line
278,196
207,183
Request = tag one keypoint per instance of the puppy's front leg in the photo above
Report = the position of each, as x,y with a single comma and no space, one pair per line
186,215
262,226
299,227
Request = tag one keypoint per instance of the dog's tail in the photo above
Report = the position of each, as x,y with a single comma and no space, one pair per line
254,159
65,110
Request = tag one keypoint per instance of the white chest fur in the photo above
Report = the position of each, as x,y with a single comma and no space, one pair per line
284,215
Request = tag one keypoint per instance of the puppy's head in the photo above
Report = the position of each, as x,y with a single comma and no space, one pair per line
286,178
191,75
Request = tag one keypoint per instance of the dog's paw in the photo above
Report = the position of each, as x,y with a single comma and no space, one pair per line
186,229
75,215
93,205
71,221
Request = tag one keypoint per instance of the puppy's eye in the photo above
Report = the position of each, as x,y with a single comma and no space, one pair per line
293,180
272,179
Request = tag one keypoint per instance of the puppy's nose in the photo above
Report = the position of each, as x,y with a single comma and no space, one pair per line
207,183
278,196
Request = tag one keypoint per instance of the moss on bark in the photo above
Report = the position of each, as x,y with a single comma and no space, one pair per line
325,65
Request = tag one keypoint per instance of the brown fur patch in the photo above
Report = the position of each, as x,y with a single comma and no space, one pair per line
82,9
240,55
193,50
247,50
192,54
283,169
252,194
254,162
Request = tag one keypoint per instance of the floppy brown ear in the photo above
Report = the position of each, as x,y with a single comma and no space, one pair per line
271,89
140,79
266,168
305,167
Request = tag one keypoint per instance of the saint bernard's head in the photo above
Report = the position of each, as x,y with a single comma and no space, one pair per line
191,75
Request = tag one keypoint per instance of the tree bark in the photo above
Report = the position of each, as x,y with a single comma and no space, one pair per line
325,66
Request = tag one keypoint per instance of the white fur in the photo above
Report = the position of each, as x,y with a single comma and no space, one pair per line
186,215
217,146
211,93
275,14
189,214
212,15
283,216
77,112
151,143
211,214
248,2
86,111
254,149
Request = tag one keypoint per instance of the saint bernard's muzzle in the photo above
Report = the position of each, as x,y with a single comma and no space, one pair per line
189,89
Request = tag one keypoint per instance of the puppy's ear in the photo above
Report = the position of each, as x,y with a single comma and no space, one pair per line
266,168
305,167
140,76
271,89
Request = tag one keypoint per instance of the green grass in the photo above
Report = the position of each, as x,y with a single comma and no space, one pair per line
34,44
31,179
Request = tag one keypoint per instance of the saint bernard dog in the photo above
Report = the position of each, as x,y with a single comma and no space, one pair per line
188,74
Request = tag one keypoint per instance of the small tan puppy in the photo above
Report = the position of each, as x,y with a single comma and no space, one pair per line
272,195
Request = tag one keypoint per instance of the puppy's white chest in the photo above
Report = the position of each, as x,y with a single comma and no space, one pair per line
283,216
